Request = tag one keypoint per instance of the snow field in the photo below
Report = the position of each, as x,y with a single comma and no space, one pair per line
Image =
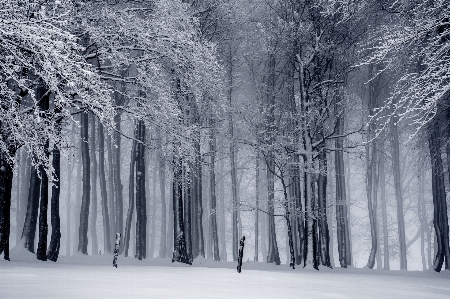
94,277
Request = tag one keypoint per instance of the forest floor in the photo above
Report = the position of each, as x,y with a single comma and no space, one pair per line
94,277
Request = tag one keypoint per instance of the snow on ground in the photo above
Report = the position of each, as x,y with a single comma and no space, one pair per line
94,277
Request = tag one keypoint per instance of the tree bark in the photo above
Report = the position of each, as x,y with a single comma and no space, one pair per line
162,190
29,227
141,210
103,192
381,171
55,240
112,191
212,187
342,222
94,188
6,179
131,199
179,250
85,202
398,192
440,220
324,234
257,207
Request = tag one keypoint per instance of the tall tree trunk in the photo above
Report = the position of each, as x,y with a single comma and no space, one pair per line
440,220
324,234
257,207
41,252
153,226
221,205
330,212
422,215
70,167
29,227
85,202
53,249
398,192
77,208
179,250
187,214
381,171
162,190
141,210
103,192
273,255
212,187
112,191
94,188
342,222
117,180
171,220
131,190
6,179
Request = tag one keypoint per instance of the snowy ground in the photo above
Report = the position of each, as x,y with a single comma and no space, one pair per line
94,277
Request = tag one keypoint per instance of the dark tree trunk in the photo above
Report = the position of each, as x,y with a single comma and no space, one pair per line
381,171
103,192
85,202
117,181
29,227
240,254
187,216
440,220
131,199
179,239
212,187
398,192
162,189
94,189
343,236
257,178
141,209
112,195
6,178
41,252
322,219
55,240
273,255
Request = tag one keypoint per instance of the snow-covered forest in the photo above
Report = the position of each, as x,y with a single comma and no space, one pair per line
319,130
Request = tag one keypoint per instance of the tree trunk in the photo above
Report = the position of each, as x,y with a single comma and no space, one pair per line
342,223
53,249
112,195
162,190
179,250
257,207
273,255
398,191
77,208
324,234
422,215
117,181
23,182
212,187
440,220
141,210
6,179
94,189
153,226
103,192
29,227
131,190
381,171
84,212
